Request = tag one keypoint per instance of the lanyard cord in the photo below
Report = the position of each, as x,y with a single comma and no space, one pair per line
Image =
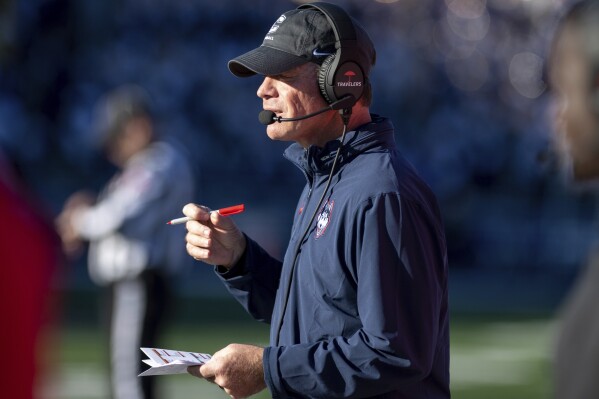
345,116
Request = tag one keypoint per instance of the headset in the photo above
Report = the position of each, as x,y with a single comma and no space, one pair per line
340,75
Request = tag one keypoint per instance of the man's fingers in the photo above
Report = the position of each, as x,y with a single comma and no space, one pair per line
195,371
197,252
207,371
204,371
222,223
197,212
198,240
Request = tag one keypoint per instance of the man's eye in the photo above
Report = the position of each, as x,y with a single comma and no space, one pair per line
283,77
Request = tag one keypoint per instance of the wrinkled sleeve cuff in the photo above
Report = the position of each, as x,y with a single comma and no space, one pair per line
273,380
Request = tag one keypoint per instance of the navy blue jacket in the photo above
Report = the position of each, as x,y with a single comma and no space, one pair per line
367,308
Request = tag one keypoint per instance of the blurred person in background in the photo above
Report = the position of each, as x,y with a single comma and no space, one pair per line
132,252
574,75
29,258
358,308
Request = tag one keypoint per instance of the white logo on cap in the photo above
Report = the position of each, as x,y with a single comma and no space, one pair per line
275,26
317,53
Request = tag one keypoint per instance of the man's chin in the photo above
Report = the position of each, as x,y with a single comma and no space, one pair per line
277,132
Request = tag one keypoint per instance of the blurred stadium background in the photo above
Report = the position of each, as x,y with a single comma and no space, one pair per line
464,82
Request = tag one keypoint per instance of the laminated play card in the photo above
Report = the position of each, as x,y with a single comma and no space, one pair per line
167,361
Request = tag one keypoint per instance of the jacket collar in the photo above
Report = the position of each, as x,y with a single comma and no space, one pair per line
373,136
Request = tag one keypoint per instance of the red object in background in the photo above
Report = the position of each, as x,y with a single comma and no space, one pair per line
29,253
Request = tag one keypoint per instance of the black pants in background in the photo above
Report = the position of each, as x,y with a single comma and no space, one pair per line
136,312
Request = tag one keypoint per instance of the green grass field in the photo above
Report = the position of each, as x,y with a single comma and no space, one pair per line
499,357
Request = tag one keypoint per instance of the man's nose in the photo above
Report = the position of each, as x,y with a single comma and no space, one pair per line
266,89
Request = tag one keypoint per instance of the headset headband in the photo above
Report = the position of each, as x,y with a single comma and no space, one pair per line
343,27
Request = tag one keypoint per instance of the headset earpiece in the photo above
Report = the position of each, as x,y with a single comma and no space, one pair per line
336,83
348,80
323,72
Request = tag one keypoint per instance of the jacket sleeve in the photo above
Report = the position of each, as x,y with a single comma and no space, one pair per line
254,280
132,194
399,253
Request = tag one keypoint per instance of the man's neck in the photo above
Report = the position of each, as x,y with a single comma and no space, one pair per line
359,118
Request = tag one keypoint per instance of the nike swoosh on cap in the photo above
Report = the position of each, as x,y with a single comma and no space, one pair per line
317,53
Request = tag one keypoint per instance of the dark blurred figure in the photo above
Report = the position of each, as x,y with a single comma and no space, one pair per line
133,253
575,77
29,255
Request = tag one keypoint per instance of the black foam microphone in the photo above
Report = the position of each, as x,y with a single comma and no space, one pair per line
267,117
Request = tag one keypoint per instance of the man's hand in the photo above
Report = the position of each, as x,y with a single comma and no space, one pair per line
71,241
213,238
237,369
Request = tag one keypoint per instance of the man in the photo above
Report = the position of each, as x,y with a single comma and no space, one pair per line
133,254
358,307
574,76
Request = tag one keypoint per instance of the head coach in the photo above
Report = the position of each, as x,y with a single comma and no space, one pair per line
358,306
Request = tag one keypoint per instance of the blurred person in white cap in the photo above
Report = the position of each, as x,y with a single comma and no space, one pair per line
132,253
574,74
358,308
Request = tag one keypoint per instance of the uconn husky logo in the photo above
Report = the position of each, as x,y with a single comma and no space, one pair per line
324,218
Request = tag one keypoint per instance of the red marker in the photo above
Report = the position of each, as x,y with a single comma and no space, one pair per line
231,210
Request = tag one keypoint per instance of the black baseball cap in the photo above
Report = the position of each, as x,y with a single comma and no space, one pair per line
297,37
